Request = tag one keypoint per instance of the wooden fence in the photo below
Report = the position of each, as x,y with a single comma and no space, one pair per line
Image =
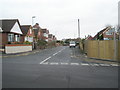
119,50
108,49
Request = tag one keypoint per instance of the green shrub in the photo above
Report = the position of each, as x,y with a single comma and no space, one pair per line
27,42
41,43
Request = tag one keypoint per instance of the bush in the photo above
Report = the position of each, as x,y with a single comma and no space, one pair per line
27,42
41,43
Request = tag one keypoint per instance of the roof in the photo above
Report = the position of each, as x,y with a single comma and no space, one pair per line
50,36
45,31
36,29
100,32
7,24
89,37
25,29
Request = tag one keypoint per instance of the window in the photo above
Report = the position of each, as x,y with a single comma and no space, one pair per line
17,38
26,38
109,33
10,37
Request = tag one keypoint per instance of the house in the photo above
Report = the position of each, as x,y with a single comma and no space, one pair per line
105,34
54,38
10,31
45,34
28,33
89,37
37,32
50,37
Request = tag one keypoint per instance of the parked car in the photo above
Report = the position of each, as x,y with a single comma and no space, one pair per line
72,44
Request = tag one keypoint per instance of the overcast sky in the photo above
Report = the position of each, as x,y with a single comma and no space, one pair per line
60,16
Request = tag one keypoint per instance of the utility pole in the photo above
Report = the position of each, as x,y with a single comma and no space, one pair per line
78,28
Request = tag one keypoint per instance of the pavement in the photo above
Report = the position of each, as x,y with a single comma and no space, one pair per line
60,67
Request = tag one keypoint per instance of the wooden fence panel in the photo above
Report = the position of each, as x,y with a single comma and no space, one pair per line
109,50
118,50
92,49
102,49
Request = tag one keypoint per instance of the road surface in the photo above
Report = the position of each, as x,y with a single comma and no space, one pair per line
57,68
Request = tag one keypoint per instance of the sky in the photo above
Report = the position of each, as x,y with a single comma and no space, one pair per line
60,17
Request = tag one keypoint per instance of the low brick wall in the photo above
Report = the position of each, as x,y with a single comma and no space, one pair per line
17,48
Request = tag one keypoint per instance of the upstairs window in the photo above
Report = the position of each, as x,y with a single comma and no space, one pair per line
109,33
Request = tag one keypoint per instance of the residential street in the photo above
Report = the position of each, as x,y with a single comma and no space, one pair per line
57,68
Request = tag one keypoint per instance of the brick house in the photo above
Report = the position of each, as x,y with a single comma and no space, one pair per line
89,37
105,34
50,37
28,33
45,34
37,32
10,31
54,38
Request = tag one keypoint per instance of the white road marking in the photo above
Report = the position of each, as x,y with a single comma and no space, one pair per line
74,64
64,63
54,63
55,53
114,65
45,60
51,56
104,64
45,63
77,64
94,64
84,64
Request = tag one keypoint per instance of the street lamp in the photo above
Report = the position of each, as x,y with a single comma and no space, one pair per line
32,20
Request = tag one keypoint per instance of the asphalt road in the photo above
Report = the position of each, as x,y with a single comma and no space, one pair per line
57,68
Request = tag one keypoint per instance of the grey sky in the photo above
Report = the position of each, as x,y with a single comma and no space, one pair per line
60,16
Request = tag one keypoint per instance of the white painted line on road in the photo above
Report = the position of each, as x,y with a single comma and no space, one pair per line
114,65
51,56
58,52
74,64
45,60
64,63
94,64
53,63
104,64
55,53
84,64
